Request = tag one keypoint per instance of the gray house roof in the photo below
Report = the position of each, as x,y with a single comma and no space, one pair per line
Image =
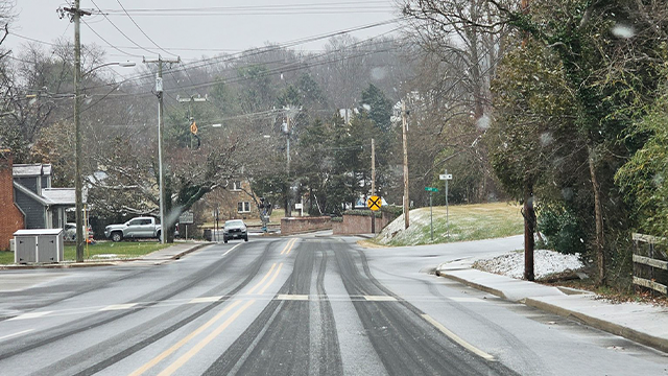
59,196
27,170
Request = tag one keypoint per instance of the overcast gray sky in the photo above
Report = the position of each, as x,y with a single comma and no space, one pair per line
197,28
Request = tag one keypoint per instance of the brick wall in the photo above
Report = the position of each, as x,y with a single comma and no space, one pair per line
11,218
296,225
359,224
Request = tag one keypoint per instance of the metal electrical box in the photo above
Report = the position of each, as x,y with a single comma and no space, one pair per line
40,245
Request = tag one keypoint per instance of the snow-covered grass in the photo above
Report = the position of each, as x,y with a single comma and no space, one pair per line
466,222
546,263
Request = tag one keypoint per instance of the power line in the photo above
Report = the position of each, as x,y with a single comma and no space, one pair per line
107,42
249,53
119,30
141,30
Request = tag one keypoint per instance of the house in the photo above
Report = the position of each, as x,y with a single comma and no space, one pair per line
27,199
42,205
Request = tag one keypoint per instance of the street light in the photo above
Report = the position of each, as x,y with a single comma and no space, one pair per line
78,196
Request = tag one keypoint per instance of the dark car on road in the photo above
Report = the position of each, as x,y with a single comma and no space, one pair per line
235,229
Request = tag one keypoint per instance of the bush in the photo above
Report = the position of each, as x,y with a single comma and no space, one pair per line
361,212
563,232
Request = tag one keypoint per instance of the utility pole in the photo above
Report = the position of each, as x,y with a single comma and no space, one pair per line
161,180
373,182
404,128
75,14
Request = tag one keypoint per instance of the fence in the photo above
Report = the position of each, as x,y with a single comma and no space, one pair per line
650,262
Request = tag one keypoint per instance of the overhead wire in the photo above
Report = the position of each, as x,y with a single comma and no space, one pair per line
107,42
142,30
119,30
254,52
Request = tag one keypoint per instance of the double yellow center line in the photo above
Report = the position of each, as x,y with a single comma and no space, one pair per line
288,247
272,274
187,356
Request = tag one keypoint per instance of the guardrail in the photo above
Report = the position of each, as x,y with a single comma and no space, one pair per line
650,262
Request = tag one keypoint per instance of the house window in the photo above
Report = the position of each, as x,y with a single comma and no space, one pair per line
243,207
236,185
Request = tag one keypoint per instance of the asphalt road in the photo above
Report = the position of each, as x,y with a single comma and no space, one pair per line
293,306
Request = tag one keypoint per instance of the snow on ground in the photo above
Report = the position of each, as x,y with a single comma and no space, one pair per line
413,235
545,263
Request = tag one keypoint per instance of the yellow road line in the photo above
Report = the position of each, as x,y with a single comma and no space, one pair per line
262,281
458,339
272,279
290,250
288,246
182,342
192,352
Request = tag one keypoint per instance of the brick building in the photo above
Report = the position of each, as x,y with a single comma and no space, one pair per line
11,217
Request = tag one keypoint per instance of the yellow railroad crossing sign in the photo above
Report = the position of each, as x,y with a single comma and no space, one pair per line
374,203
193,128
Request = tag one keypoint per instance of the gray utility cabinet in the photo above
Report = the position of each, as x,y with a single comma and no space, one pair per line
40,245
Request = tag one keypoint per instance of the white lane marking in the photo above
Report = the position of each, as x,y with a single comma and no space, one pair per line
16,334
458,339
231,249
31,315
468,300
206,299
379,298
118,307
291,297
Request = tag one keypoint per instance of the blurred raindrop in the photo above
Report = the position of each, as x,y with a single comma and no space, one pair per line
623,31
484,122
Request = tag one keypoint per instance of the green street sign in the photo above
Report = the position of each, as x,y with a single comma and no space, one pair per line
430,189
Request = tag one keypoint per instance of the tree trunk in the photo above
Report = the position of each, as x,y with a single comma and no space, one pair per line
598,214
529,229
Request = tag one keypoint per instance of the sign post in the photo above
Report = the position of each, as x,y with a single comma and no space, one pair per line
186,218
446,177
374,203
431,209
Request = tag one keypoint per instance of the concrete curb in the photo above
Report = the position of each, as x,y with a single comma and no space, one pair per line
634,335
96,264
644,338
478,286
191,250
60,266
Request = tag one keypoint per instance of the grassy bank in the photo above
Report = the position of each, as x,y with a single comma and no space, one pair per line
102,251
466,222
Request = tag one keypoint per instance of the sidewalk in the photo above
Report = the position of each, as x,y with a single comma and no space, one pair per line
642,323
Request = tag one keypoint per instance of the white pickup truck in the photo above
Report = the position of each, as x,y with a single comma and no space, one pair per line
136,228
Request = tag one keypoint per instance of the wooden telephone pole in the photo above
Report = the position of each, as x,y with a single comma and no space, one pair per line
75,14
161,179
404,125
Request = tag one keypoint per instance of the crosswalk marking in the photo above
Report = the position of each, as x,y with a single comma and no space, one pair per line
30,315
118,307
380,298
291,297
206,299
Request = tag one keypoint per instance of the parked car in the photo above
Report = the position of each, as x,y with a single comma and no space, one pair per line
136,228
70,232
235,229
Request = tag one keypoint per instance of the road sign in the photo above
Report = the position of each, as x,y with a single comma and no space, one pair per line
193,128
445,177
374,203
430,189
186,218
